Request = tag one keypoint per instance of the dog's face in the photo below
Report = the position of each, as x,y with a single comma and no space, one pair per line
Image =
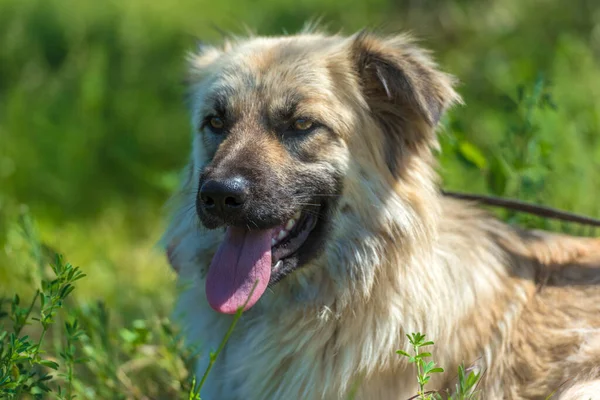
279,123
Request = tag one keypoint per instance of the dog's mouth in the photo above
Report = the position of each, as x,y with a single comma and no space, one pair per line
289,238
248,261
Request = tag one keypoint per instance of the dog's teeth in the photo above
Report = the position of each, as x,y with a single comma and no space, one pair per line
281,235
278,264
273,242
290,224
297,215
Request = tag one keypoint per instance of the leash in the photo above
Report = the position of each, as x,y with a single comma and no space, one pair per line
534,209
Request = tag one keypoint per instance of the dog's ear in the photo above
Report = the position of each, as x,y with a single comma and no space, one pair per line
405,91
200,59
199,65
396,71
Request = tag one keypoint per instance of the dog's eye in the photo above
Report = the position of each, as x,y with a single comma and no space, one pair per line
216,123
303,124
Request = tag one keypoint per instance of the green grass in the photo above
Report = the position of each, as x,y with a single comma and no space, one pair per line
93,132
52,345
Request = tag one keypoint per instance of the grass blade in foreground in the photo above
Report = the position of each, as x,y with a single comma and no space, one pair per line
195,392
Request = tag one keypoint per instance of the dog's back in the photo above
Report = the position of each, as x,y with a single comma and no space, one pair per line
542,326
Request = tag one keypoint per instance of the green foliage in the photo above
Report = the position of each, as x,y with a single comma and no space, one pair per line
89,365
21,358
424,368
522,164
87,358
467,384
467,379
23,369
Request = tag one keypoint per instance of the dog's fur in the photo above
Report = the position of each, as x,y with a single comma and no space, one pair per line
398,258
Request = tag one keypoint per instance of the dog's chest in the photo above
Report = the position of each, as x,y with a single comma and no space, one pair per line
269,360
263,361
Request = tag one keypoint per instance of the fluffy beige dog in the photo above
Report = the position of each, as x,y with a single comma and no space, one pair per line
312,180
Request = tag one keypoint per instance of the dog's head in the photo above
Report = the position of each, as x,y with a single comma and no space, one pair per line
292,132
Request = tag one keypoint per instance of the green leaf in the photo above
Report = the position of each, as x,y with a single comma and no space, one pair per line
416,339
473,378
128,336
427,367
49,364
498,176
461,373
46,377
405,354
66,290
471,155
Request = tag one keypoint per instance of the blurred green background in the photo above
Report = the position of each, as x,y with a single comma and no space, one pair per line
93,128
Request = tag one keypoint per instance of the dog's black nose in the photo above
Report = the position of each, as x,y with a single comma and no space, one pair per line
222,197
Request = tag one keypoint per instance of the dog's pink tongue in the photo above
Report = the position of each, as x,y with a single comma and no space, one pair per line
243,258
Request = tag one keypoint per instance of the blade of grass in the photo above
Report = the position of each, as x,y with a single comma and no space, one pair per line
213,357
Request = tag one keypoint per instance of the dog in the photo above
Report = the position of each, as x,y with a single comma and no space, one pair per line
311,202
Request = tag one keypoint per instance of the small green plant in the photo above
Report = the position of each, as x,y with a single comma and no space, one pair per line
424,369
467,379
23,364
467,384
194,393
69,355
